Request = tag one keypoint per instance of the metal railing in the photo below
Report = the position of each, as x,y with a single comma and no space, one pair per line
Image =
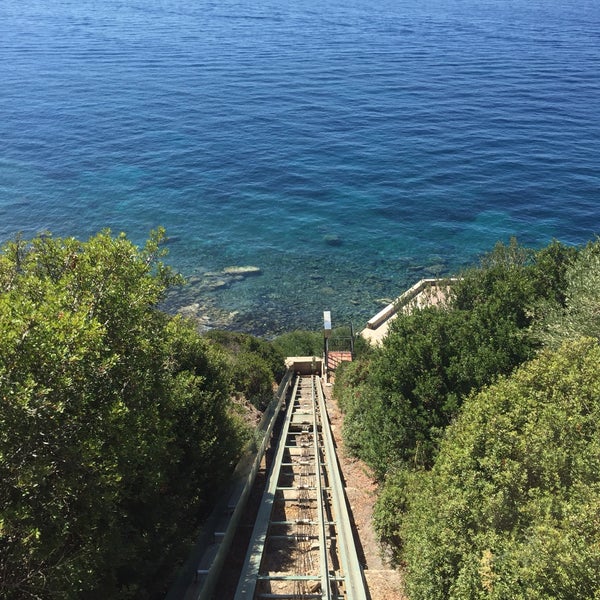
199,576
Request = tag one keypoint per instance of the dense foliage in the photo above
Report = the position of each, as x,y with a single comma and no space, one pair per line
579,313
300,343
255,365
115,431
511,507
498,497
311,343
432,358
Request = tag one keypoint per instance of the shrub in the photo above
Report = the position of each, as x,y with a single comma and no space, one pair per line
114,425
255,365
579,312
253,379
511,507
434,357
300,343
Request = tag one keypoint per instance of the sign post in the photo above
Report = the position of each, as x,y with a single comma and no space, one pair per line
327,323
326,336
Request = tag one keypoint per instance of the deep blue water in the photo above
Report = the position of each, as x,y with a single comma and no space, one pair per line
347,148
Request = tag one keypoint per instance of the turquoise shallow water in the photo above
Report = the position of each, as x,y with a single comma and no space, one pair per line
345,149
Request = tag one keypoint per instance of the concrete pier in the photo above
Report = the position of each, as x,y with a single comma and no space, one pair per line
427,292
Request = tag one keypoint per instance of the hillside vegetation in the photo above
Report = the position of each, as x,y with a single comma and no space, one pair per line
119,424
480,420
116,422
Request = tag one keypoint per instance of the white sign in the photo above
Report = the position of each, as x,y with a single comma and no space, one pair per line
327,322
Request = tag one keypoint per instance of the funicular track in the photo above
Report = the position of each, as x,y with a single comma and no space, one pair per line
302,545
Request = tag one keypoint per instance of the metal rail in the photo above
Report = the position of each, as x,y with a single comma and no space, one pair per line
355,584
302,545
325,583
199,576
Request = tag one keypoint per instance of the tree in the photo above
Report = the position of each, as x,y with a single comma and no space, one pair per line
579,312
510,509
434,357
114,426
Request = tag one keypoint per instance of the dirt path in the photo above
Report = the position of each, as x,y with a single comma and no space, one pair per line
361,489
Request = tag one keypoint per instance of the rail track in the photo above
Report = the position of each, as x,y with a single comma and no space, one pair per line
302,545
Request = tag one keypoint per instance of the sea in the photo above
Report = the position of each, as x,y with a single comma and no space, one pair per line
306,155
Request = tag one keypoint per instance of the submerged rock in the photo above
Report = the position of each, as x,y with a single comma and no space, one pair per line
217,284
191,310
327,291
243,271
436,270
331,239
384,301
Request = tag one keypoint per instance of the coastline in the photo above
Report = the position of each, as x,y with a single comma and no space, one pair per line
248,299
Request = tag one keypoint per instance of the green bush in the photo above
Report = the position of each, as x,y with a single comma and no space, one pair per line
255,365
253,379
300,343
390,509
237,343
579,312
115,432
511,507
434,357
417,381
357,400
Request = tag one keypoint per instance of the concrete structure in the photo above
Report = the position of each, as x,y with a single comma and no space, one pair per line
426,292
305,365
